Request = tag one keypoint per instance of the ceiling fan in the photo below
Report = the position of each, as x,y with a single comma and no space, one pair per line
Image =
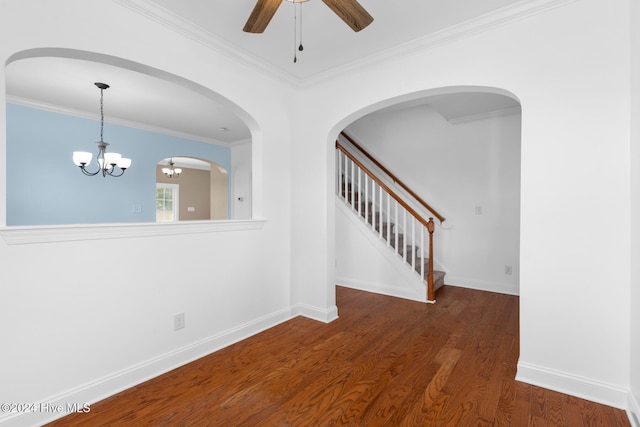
350,11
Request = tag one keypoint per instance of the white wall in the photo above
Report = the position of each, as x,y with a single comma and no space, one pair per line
456,168
634,398
76,334
569,67
241,166
86,318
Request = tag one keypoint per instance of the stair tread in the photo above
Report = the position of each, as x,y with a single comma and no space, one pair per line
373,218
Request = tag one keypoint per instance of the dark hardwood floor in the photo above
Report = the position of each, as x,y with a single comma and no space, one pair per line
384,362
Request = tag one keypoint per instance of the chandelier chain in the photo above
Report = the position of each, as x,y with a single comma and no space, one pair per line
101,114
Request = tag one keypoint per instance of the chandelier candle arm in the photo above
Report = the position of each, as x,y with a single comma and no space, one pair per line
112,164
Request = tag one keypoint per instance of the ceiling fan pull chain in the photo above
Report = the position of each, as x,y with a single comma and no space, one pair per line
295,33
300,48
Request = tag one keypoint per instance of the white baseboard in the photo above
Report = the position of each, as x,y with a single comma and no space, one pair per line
481,285
316,313
380,288
109,385
633,411
563,382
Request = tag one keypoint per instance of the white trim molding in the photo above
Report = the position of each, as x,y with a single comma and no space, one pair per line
502,16
111,384
174,22
69,233
30,103
483,285
633,411
575,385
325,315
382,289
485,116
486,22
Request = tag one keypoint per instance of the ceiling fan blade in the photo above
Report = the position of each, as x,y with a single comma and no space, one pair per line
351,12
261,16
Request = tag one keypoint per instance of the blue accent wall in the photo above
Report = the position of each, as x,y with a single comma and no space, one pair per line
44,186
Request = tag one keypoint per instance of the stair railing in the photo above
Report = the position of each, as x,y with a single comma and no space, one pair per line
394,178
372,199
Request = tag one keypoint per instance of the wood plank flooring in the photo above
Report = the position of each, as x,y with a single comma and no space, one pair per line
384,362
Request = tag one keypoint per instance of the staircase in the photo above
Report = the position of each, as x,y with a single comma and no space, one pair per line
387,214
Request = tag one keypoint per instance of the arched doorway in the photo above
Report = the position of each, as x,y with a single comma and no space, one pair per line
200,186
458,149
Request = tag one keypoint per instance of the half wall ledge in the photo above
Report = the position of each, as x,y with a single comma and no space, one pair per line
70,233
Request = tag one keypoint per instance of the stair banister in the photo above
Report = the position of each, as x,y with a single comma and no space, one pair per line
349,179
393,177
393,194
431,293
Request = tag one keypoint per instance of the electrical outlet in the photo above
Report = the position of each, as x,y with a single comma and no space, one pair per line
507,269
178,321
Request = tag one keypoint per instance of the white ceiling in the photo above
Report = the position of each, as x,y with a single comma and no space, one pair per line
137,99
328,41
141,100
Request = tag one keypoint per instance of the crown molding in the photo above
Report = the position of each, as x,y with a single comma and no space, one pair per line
486,22
482,116
482,23
25,102
242,142
218,44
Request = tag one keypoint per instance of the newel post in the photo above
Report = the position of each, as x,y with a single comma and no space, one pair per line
431,293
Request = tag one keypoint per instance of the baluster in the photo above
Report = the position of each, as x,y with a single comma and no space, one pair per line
395,232
352,185
346,179
388,230
404,230
413,243
373,205
337,171
431,291
366,197
342,158
359,191
381,212
422,251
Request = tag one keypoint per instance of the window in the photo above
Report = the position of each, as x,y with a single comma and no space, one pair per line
166,202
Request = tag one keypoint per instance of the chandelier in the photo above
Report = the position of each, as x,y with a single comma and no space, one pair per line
170,171
112,164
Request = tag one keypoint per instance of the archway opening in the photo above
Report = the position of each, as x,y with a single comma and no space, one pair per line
458,149
149,115
191,189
